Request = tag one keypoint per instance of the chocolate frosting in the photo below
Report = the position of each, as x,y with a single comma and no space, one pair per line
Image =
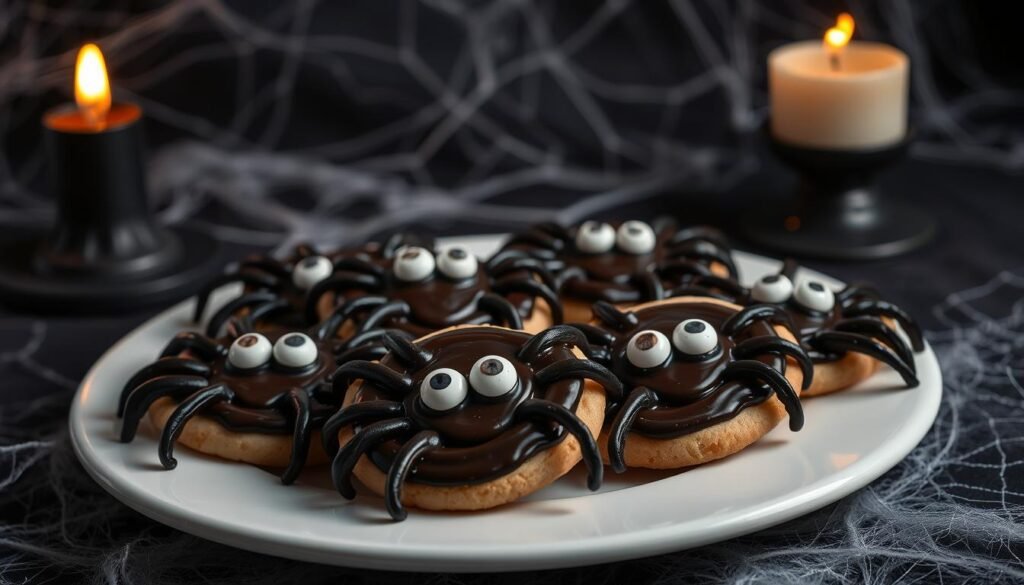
692,394
481,438
257,392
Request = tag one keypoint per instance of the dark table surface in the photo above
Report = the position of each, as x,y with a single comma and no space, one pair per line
951,511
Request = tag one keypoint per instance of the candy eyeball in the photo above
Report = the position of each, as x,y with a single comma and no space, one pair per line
457,263
648,349
249,351
295,350
594,237
413,263
815,296
695,337
635,237
774,288
493,376
443,389
311,270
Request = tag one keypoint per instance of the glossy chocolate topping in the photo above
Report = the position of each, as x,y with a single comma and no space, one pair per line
691,392
481,437
256,392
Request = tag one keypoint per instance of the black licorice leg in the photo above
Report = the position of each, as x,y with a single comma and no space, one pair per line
329,327
679,266
228,310
715,255
727,285
196,343
531,265
757,346
551,336
354,264
570,273
857,292
535,289
165,366
580,369
878,330
268,265
419,444
753,313
546,410
340,282
261,311
753,370
138,401
298,402
640,398
610,315
501,310
886,309
383,377
697,291
188,408
406,351
250,278
382,313
535,238
650,286
358,413
594,335
368,352
375,337
364,440
839,342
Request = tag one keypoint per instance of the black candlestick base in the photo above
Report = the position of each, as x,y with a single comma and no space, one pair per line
25,286
839,211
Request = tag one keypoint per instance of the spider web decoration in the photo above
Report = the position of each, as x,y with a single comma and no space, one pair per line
333,122
927,520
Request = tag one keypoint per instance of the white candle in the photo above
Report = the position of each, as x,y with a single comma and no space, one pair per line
846,98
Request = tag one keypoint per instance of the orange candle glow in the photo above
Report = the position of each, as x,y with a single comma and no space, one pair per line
94,110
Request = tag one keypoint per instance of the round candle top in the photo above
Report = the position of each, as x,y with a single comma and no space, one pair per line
858,103
71,119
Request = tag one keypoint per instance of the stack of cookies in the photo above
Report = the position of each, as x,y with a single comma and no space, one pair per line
443,381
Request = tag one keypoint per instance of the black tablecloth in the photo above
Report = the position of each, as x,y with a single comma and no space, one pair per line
952,510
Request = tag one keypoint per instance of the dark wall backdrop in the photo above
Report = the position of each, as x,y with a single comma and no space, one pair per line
271,122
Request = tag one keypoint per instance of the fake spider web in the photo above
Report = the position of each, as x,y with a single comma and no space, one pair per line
470,110
928,519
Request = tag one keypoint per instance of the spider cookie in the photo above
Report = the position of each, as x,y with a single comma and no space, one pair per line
847,334
275,289
419,292
624,263
703,379
469,418
257,397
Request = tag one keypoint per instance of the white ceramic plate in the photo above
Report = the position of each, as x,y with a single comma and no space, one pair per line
849,440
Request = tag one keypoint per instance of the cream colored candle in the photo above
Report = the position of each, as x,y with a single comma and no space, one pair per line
846,98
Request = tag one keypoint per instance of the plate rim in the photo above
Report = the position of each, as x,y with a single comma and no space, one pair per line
502,557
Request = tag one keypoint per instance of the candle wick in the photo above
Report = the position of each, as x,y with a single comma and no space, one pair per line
833,60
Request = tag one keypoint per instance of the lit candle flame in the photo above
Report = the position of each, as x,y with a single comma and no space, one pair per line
92,88
838,37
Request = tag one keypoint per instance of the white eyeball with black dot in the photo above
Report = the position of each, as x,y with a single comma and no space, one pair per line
457,263
295,350
249,351
648,349
815,296
413,263
773,288
594,237
695,337
311,270
443,389
635,237
493,376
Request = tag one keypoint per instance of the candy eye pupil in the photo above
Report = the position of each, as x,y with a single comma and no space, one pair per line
294,341
248,341
816,286
694,327
457,253
440,381
770,279
491,367
646,341
309,262
410,255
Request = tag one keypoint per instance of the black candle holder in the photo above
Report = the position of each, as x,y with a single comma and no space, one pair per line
839,211
105,253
